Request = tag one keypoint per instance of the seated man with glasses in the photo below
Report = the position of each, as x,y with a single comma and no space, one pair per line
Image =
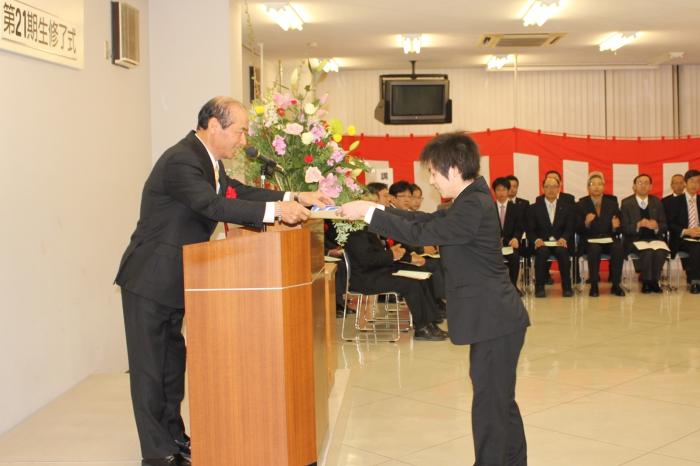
643,230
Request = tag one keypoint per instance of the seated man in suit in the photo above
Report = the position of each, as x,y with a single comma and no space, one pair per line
551,220
599,217
565,197
380,190
677,189
685,228
513,191
643,219
417,197
371,268
510,217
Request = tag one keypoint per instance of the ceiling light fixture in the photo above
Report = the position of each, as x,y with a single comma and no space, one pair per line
496,62
331,66
285,15
618,40
539,11
411,43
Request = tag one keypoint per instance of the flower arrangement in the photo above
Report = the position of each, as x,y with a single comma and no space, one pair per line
290,127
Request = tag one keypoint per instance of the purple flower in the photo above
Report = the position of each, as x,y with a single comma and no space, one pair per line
329,186
350,183
318,132
279,145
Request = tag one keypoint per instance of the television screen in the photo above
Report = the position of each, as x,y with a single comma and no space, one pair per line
414,99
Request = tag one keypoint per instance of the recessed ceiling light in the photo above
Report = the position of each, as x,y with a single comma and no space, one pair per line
539,11
285,15
618,40
411,43
331,66
496,62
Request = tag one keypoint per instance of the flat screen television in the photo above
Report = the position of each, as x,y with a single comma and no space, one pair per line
414,101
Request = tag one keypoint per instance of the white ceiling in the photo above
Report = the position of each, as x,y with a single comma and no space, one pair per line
363,34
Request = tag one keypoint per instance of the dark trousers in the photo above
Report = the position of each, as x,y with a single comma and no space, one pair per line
617,256
156,351
513,263
418,294
650,263
341,276
693,262
499,437
564,259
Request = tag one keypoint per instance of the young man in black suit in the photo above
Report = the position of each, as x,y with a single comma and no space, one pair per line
551,220
183,199
483,308
513,191
510,218
684,226
677,189
598,217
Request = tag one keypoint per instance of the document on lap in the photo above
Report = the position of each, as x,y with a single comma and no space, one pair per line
331,259
642,245
607,240
432,256
416,275
507,251
693,240
551,244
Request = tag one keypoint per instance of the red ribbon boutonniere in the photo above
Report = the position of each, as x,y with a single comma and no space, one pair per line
231,193
390,242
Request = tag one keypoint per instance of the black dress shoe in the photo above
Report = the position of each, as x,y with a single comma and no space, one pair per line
646,288
172,460
655,287
594,293
617,290
185,446
695,288
539,293
567,293
425,333
436,330
548,280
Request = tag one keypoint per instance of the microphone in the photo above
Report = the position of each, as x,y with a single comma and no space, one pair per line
252,153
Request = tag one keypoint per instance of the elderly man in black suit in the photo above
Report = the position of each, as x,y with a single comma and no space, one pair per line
551,223
685,228
510,218
677,189
643,219
598,220
483,308
184,197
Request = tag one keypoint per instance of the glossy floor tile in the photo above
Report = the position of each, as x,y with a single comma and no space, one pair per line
601,382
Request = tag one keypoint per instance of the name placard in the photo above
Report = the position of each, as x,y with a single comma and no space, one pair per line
32,31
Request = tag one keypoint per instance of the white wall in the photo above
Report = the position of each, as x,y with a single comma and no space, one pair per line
75,150
625,103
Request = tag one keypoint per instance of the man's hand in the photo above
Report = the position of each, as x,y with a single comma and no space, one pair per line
538,243
615,222
430,249
337,252
316,198
653,224
355,210
514,243
561,242
417,260
643,223
291,212
692,232
589,218
398,251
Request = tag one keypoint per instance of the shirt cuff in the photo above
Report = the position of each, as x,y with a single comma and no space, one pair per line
370,212
269,216
287,197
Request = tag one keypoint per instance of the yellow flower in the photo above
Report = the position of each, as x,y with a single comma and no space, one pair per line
259,109
356,172
337,137
352,130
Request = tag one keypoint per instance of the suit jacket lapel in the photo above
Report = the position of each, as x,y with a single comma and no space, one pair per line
202,157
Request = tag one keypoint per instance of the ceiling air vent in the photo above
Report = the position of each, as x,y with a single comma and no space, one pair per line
520,40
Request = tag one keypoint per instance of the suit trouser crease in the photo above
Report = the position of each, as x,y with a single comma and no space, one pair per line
616,252
497,426
563,258
651,262
156,353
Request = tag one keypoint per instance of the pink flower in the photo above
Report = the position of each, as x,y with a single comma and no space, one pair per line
313,175
323,99
318,132
279,145
329,186
282,100
293,128
350,183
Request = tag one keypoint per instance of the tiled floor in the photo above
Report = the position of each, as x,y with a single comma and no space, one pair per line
602,382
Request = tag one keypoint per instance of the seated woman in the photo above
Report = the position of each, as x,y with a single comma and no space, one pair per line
598,220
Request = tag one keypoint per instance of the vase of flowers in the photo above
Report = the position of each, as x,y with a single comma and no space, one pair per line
291,127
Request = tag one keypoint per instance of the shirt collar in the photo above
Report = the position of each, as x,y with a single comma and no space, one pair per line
214,163
688,197
553,204
640,200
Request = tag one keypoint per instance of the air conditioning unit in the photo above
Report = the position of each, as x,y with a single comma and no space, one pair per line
125,35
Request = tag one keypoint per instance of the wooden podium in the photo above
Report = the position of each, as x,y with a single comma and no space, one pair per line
256,352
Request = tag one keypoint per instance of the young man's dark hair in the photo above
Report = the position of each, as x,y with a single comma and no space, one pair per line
640,176
375,187
690,174
502,181
452,150
553,172
415,187
513,178
400,187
